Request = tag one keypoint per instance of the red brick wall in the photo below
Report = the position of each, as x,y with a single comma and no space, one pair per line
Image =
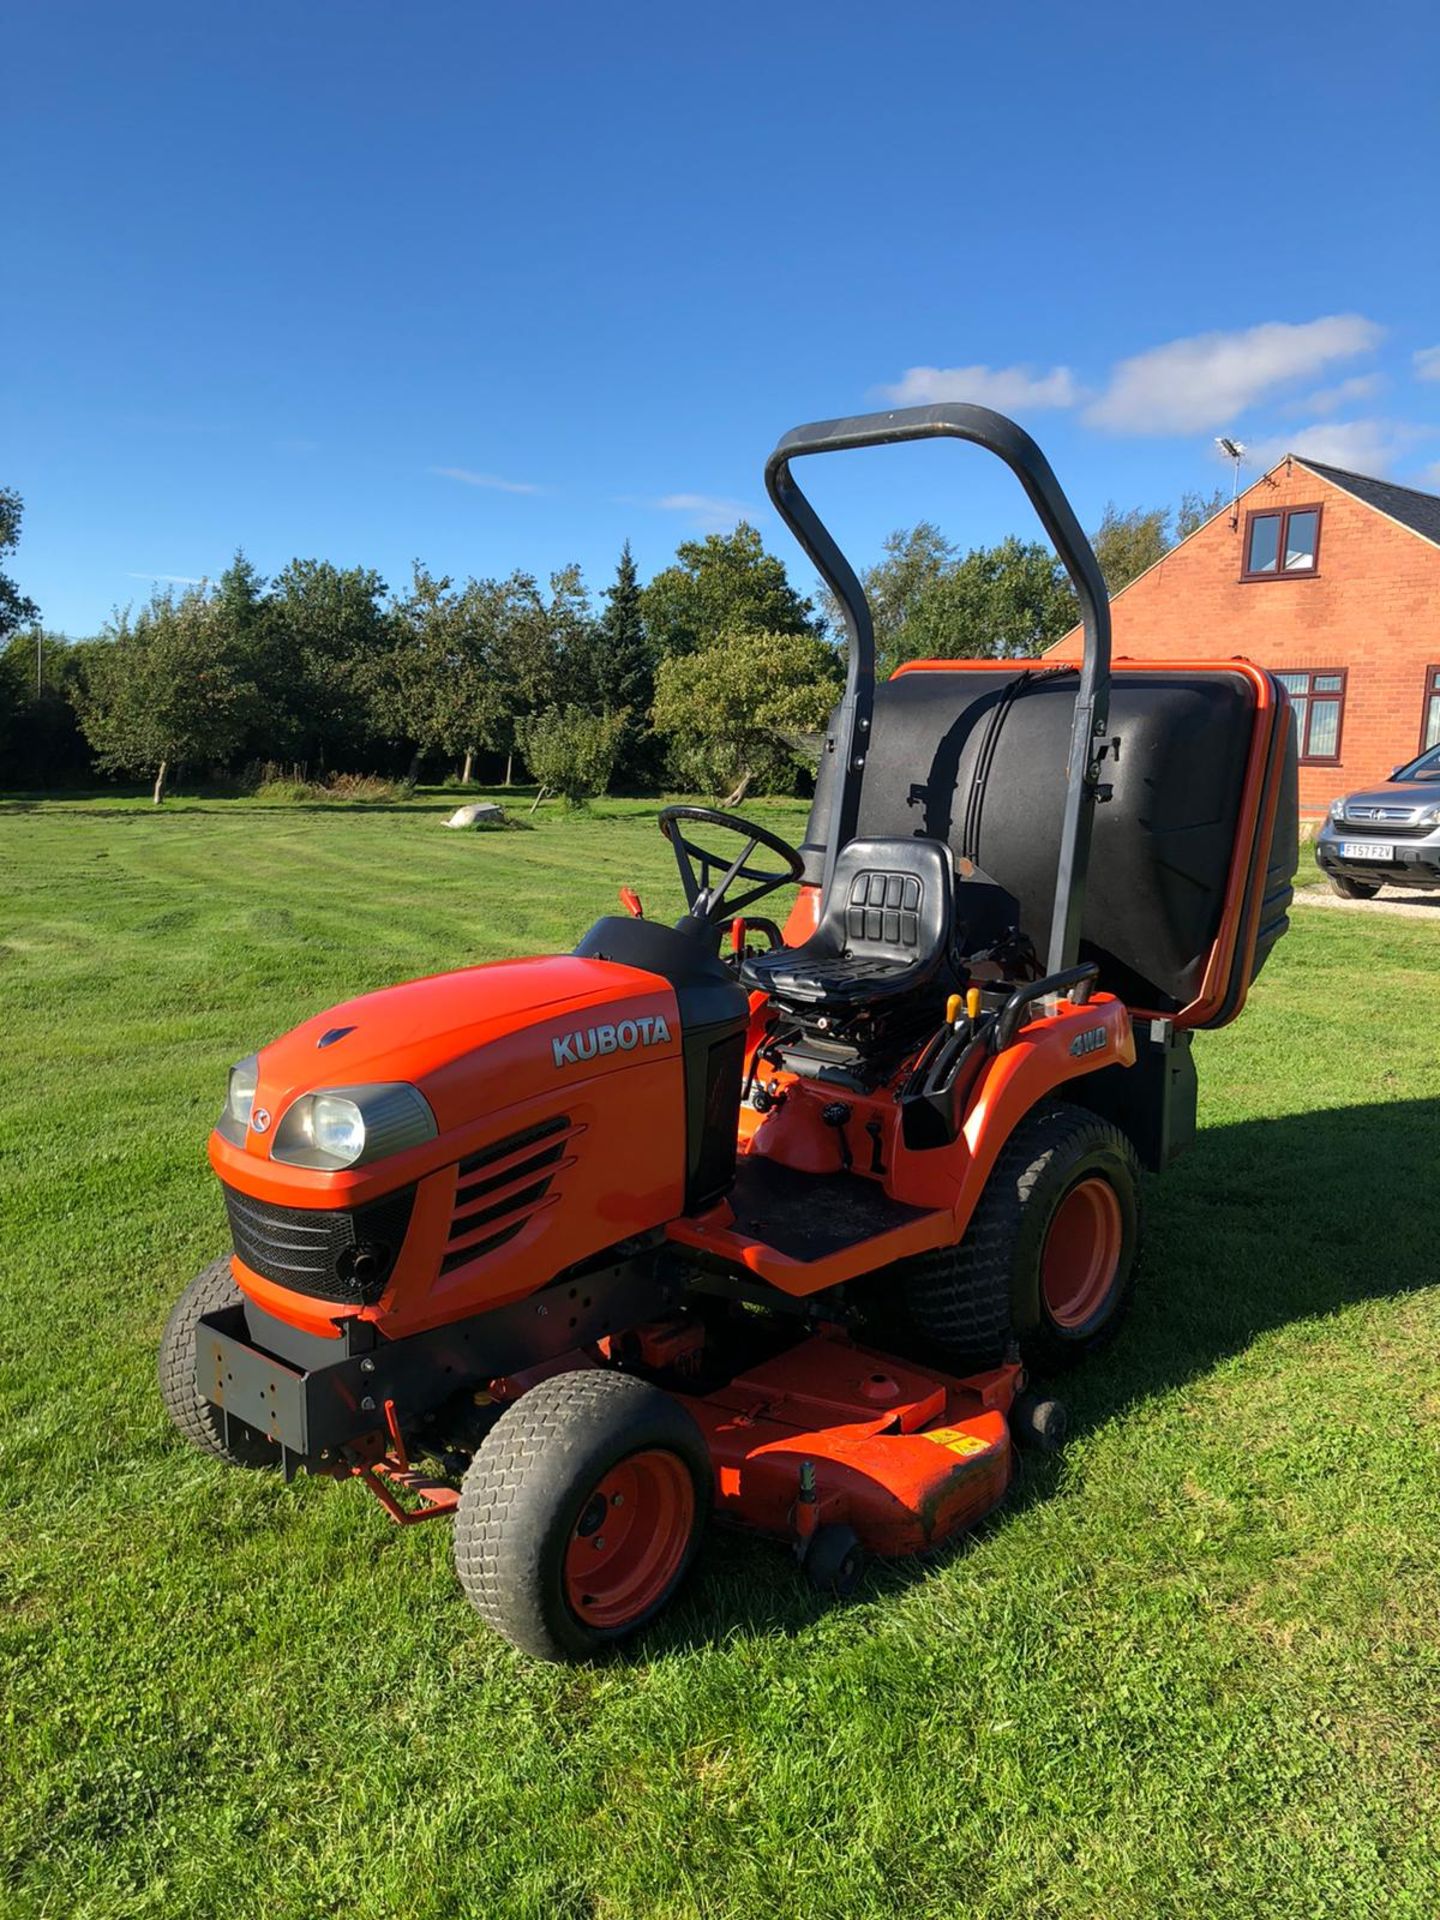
1372,607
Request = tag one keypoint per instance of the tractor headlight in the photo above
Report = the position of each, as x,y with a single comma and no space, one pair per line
343,1126
239,1100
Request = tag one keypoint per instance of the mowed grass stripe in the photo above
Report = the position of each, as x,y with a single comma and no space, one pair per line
1193,1669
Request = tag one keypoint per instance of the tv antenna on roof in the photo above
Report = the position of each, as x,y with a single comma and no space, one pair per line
1233,450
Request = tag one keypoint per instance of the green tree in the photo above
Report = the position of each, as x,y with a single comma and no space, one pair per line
1127,543
624,663
164,690
330,635
40,739
918,560
1003,602
257,644
569,750
725,583
435,687
728,708
994,602
541,651
616,670
16,609
1195,509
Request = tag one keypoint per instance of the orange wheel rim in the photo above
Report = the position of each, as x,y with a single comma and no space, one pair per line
1082,1252
629,1539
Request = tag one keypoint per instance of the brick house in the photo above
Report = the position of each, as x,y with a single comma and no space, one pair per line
1330,579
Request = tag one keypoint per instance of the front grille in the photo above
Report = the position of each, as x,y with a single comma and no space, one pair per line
1399,821
518,1172
346,1255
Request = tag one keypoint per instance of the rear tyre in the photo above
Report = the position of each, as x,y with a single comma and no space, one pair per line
1349,889
1048,1258
581,1513
196,1418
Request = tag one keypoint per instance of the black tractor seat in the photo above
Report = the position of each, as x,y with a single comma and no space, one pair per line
886,926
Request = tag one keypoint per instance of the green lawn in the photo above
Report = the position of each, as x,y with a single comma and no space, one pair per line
1192,1670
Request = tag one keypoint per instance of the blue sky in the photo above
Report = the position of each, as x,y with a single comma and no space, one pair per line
498,287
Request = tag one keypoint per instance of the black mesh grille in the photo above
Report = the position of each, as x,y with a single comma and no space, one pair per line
330,1252
473,1182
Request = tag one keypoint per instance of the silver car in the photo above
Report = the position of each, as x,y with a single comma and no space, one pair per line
1385,834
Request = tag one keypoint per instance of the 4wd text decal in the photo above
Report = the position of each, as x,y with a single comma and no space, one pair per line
570,1048
1091,1041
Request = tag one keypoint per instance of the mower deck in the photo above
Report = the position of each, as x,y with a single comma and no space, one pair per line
830,1433
822,1434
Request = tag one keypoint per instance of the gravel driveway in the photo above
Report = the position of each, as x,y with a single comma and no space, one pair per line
1401,900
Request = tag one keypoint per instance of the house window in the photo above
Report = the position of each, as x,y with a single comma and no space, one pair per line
1281,543
1319,703
1430,714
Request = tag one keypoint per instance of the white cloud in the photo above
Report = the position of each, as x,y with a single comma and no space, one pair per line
468,478
1363,446
1427,363
708,512
1364,386
1008,389
1206,381
170,579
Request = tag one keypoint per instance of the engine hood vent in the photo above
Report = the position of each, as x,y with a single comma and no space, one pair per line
502,1186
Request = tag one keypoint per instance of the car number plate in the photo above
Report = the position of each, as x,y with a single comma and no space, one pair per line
1366,850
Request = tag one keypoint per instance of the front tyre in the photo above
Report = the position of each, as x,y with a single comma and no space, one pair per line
1048,1258
1351,889
581,1513
196,1418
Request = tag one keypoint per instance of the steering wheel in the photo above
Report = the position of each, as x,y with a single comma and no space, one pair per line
707,902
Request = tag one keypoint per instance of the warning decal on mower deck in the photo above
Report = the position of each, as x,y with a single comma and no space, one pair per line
957,1440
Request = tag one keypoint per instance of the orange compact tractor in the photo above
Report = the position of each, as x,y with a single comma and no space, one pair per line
582,1248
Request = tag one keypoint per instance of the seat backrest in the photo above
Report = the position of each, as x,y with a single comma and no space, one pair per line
890,899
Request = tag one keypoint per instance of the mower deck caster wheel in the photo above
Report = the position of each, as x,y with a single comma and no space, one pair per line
1038,1423
834,1560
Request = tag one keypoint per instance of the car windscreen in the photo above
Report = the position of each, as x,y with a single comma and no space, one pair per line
1426,768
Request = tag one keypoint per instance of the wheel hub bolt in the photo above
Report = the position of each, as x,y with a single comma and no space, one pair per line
599,1541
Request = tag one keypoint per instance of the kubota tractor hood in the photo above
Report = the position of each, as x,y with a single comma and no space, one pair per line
474,1042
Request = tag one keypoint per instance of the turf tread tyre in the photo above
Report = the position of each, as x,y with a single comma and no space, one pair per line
523,1491
196,1419
979,1298
1349,889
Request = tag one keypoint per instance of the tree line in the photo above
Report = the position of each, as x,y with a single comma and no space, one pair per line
714,676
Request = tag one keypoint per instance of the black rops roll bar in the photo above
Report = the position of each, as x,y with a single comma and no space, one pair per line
1092,698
